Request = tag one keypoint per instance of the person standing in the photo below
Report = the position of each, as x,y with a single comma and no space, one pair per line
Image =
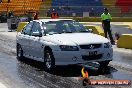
36,16
54,14
106,18
10,14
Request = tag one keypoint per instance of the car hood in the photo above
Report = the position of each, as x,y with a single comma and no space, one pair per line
76,38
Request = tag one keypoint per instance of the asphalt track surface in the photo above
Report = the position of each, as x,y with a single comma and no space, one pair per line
30,73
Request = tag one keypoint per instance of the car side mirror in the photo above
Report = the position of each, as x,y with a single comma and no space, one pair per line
38,34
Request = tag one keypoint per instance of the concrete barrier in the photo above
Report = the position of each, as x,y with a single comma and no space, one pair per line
96,29
125,41
21,25
130,26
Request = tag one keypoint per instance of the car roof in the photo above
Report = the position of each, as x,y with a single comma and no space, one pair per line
47,20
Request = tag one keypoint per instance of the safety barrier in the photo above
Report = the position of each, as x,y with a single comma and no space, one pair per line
96,29
130,25
98,19
21,25
125,41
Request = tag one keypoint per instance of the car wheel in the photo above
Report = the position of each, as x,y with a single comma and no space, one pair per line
49,60
19,53
103,66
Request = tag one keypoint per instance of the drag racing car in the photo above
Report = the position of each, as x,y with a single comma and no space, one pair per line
62,42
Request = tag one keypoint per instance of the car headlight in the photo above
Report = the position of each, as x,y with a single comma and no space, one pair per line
107,45
68,48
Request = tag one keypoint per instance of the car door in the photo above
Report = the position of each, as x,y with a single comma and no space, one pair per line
35,41
25,36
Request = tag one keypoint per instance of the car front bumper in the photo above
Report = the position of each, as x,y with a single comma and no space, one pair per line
82,56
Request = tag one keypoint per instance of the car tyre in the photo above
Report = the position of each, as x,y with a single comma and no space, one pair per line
49,60
103,66
19,53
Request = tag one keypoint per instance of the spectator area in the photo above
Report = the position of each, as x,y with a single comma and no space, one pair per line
67,7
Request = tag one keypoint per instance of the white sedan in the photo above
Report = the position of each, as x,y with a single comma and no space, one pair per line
62,42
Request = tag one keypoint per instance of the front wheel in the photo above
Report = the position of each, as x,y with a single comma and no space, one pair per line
49,60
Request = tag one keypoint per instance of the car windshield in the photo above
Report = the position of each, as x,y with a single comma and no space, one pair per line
58,27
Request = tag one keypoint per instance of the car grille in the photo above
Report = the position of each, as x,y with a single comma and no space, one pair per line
90,46
92,57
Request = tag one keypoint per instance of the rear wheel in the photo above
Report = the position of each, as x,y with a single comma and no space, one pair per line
19,53
103,66
49,60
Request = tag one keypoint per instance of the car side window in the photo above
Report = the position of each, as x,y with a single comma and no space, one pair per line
36,27
27,29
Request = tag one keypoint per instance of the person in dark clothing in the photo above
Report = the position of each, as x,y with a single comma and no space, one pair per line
36,16
106,18
10,14
54,14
